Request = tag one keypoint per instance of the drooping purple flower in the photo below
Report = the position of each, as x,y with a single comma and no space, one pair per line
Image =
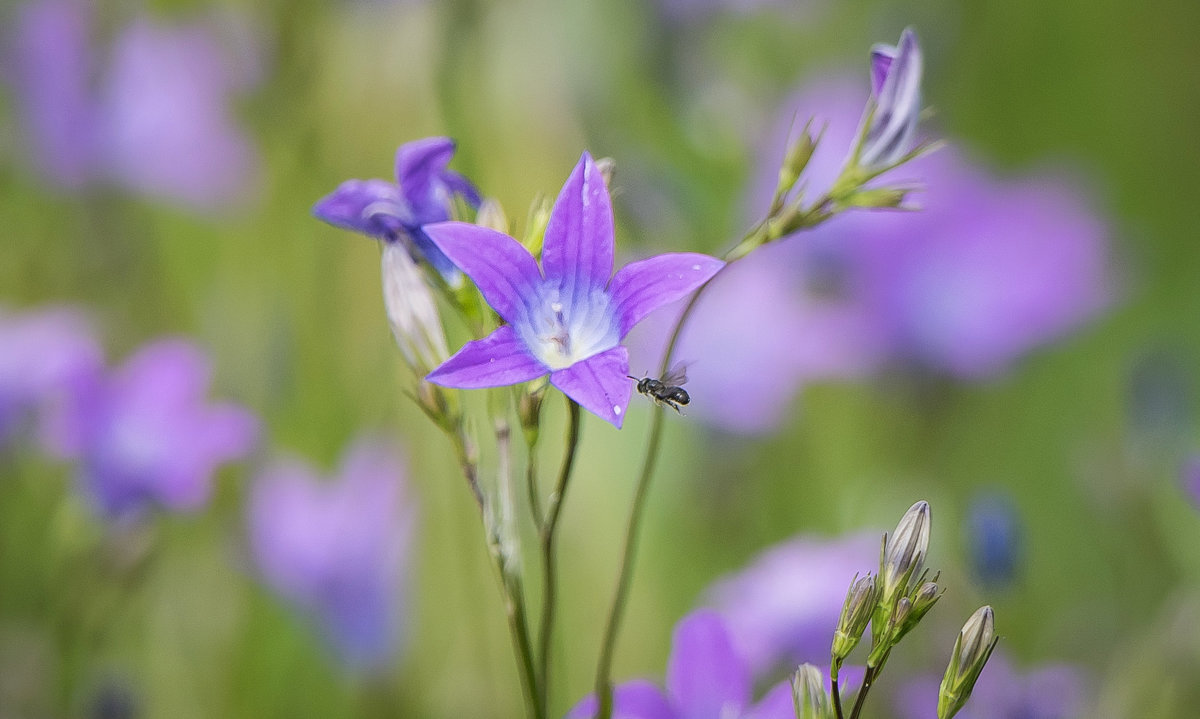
994,539
1052,691
147,435
567,318
1191,478
783,608
706,679
896,87
339,550
151,112
47,355
422,194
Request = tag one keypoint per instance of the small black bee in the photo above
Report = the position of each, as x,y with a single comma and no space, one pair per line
666,390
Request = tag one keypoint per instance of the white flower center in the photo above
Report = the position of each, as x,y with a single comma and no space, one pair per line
561,332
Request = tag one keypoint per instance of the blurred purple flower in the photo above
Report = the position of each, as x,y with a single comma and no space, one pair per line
1191,478
146,435
1052,691
706,679
569,321
422,194
782,609
339,550
46,356
994,539
987,272
154,116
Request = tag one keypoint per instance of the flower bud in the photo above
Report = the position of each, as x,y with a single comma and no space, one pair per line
880,198
971,652
799,152
491,215
896,90
856,613
412,310
608,170
904,552
529,410
535,226
809,695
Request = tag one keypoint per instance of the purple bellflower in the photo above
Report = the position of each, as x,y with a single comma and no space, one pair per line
896,89
567,318
422,194
339,550
706,679
782,610
1053,691
146,434
46,357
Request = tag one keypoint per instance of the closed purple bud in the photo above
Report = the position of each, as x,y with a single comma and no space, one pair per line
896,84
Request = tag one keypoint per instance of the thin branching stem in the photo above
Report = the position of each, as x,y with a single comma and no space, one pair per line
549,560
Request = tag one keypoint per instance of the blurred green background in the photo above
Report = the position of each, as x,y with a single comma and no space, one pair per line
290,310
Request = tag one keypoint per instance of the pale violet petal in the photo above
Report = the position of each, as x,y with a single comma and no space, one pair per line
578,247
638,699
641,287
500,267
705,677
599,384
497,360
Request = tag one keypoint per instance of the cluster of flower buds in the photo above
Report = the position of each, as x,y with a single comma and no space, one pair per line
886,140
906,591
893,602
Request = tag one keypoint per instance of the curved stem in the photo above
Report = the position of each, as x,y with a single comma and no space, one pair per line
549,563
862,692
603,688
531,485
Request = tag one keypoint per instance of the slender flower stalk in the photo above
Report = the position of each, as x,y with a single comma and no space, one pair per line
549,563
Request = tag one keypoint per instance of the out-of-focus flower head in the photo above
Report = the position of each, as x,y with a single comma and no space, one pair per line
146,434
151,112
47,355
566,318
339,550
994,539
1052,691
1191,478
423,193
706,679
783,608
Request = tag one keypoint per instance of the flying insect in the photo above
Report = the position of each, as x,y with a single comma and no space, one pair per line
668,390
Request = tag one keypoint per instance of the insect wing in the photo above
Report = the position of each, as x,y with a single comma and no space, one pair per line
676,376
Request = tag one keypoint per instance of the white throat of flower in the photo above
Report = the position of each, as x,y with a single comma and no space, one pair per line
561,332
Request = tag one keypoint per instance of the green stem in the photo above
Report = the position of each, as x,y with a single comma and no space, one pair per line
531,485
603,688
872,672
836,693
549,562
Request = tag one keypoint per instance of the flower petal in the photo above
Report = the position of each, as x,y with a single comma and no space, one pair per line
777,704
497,360
898,106
881,60
705,677
420,164
641,287
578,247
372,207
501,268
599,384
638,699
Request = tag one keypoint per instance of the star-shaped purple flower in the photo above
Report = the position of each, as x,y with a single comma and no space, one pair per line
568,317
706,679
422,194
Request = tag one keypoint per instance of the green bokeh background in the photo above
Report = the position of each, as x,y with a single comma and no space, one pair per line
291,312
